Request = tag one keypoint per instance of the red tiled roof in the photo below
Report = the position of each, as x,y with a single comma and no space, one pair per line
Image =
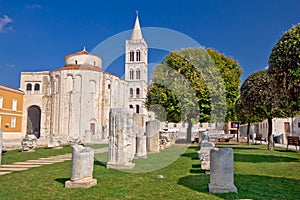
77,67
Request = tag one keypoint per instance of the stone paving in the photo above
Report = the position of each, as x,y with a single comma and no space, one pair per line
21,166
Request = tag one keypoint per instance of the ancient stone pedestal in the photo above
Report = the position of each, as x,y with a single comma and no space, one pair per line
204,154
82,168
221,171
1,145
141,149
122,139
152,134
54,142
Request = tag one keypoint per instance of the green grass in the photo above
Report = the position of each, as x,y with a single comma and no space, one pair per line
19,156
259,174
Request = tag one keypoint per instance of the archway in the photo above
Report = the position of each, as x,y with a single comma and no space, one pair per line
34,120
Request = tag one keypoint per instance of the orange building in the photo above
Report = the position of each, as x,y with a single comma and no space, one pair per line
11,112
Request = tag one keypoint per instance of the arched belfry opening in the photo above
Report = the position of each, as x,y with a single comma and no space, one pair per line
34,120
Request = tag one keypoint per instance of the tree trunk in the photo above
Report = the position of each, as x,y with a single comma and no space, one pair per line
189,129
248,133
270,136
238,129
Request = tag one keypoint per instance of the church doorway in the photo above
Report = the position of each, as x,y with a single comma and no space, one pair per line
34,120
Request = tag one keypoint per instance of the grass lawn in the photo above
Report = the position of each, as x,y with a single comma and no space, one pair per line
259,174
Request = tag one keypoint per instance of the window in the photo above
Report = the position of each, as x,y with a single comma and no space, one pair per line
131,56
13,122
37,87
75,62
137,107
298,124
108,86
28,87
130,106
1,102
131,74
137,92
14,104
138,55
131,92
138,74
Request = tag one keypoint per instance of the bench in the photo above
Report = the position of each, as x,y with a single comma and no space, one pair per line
292,140
260,138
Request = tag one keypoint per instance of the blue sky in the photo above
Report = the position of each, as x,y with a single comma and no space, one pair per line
36,35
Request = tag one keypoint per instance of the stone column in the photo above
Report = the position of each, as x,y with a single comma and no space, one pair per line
221,171
82,168
141,149
1,146
152,133
121,139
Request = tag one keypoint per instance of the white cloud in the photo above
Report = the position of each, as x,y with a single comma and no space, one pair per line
34,6
4,23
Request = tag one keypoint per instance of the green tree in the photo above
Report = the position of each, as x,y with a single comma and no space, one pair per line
258,101
231,74
188,84
284,66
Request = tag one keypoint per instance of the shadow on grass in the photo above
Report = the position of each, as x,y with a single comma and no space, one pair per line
254,158
62,180
249,187
285,151
97,162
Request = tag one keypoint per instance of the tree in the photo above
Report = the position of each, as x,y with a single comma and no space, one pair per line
188,84
284,66
258,101
231,74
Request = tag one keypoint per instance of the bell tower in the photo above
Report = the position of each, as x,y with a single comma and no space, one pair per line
136,69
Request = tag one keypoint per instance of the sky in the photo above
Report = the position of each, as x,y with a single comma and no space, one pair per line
36,35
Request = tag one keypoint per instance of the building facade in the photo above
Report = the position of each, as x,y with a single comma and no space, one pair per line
11,111
75,100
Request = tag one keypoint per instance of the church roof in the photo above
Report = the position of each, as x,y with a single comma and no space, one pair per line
137,33
82,52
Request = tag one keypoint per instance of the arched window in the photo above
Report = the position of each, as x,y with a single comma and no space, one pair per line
138,55
37,87
131,92
137,92
138,74
131,56
137,107
75,62
28,87
131,74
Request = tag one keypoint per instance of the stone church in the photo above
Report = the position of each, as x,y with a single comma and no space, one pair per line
75,100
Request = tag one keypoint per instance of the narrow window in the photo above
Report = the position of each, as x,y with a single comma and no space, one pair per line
137,92
37,87
130,106
14,104
13,122
131,74
131,56
108,86
138,55
1,102
137,108
75,62
138,74
131,92
298,124
28,87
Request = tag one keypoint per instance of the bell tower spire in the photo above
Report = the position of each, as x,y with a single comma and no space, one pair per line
137,33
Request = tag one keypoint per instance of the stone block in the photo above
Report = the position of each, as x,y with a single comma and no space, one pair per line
141,149
29,143
152,134
82,168
221,171
204,154
54,141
